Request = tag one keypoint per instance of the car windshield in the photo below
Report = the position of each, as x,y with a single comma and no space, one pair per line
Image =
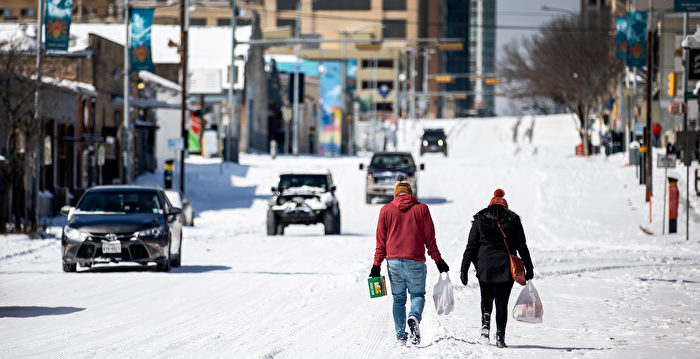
121,202
401,161
434,133
289,181
174,198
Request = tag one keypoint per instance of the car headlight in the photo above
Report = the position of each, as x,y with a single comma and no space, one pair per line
440,143
425,143
75,234
369,177
151,232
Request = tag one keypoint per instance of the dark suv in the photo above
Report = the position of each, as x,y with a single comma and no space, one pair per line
383,171
433,140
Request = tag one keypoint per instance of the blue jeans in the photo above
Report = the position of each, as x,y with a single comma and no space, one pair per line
406,274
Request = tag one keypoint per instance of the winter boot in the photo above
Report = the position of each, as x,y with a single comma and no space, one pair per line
501,339
415,330
485,328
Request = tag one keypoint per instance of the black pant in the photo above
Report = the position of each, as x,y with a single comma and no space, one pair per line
500,292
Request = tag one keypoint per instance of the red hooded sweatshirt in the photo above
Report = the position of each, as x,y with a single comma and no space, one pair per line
404,228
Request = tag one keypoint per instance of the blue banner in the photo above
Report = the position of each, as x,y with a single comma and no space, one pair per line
331,119
351,75
141,22
637,39
57,24
621,48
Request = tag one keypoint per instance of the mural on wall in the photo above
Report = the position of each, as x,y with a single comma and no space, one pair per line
331,119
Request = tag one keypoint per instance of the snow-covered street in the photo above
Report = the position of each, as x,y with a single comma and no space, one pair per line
608,288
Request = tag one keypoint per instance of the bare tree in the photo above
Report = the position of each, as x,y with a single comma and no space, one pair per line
20,131
570,61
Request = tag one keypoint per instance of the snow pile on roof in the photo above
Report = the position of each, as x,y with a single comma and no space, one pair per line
151,77
80,87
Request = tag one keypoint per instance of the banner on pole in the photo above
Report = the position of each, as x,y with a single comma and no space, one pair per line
57,24
141,22
637,39
351,75
621,47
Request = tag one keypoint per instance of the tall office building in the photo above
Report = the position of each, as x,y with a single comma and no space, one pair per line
482,54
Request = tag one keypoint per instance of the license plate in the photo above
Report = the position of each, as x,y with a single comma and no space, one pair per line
112,247
433,147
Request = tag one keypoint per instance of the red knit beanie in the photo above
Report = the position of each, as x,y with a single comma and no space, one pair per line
498,198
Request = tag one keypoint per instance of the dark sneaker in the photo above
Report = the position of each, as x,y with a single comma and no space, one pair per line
401,341
415,330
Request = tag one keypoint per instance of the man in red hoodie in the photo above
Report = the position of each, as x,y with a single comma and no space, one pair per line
404,230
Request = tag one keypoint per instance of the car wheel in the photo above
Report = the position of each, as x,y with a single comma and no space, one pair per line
70,267
368,198
331,223
271,223
165,264
178,260
280,229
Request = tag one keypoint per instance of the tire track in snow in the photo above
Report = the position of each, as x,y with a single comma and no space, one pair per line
27,252
380,318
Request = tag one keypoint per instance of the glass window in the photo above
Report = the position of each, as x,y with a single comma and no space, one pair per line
223,21
288,22
289,181
394,5
342,5
28,12
198,21
121,202
394,28
286,4
393,161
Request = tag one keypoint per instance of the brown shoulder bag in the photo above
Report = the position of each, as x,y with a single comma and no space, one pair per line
517,268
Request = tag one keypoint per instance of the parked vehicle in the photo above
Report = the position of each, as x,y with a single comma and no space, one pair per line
433,140
383,171
177,199
122,224
304,198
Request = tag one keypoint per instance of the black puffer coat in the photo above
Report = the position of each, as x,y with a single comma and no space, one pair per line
485,247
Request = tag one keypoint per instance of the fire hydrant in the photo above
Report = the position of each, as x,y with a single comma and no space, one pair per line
672,204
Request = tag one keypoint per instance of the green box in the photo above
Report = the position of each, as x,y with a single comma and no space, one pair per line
377,287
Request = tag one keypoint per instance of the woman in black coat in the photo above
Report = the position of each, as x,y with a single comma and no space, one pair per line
487,250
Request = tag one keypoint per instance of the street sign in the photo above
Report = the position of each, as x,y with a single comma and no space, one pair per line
686,5
175,144
639,129
694,65
100,155
384,91
666,161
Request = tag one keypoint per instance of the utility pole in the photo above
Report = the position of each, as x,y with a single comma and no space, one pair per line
184,19
647,138
686,62
343,83
233,127
37,114
127,114
295,120
412,78
425,98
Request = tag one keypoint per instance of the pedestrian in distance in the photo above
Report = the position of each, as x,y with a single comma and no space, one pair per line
486,248
404,231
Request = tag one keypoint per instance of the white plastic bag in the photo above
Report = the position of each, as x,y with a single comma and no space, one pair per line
528,308
443,295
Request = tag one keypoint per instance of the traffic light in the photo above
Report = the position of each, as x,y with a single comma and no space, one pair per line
443,79
492,80
671,84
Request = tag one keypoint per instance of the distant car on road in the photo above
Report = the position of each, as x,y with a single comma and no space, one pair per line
178,200
122,224
383,172
304,198
433,140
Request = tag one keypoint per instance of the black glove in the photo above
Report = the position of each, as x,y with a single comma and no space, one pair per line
442,266
463,276
529,274
375,271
